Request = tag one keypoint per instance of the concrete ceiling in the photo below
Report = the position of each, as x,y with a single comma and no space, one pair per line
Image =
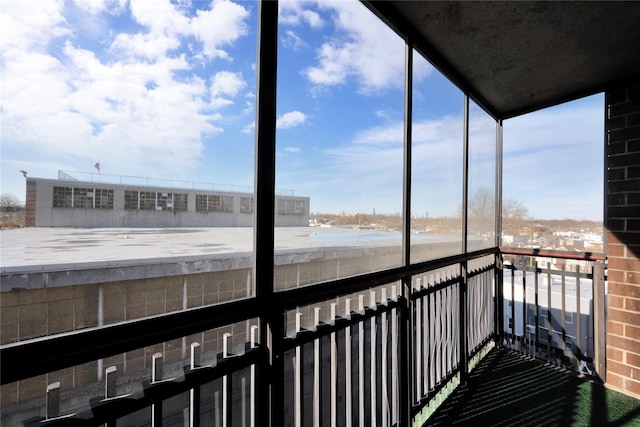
519,56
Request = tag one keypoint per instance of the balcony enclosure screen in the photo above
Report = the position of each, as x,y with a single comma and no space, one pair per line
437,149
339,139
339,121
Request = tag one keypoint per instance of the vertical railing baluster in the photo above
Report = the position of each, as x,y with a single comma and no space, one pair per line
549,324
297,376
334,369
395,333
563,314
432,340
110,382
194,393
417,313
438,337
374,382
156,376
347,368
525,341
226,383
53,400
512,323
424,326
317,364
361,363
448,323
255,330
578,320
536,308
384,397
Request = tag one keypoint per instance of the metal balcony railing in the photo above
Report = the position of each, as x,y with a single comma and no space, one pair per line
383,348
554,308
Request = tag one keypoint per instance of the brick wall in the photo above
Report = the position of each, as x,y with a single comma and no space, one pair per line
623,237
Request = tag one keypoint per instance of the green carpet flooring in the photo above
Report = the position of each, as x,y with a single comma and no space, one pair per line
508,389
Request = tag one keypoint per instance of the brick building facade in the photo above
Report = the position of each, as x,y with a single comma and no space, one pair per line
623,237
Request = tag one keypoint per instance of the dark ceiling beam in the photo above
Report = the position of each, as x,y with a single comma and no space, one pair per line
611,84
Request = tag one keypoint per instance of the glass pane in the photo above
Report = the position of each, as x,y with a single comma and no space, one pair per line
128,123
561,147
482,179
436,160
339,143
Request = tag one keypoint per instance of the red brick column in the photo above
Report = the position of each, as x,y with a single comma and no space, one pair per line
623,238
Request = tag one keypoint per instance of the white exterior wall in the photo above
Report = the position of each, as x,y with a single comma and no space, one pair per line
48,216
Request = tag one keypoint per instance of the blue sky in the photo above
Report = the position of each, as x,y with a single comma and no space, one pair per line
167,89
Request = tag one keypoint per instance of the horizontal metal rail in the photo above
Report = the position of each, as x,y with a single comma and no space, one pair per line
585,256
38,356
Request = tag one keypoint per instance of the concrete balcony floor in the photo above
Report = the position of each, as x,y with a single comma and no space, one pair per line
510,389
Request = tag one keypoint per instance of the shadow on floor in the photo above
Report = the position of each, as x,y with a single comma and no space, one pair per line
510,389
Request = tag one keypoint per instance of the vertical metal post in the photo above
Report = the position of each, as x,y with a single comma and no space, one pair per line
499,275
462,318
271,384
599,321
498,188
406,374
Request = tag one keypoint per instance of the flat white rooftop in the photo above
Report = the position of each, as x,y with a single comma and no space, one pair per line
38,248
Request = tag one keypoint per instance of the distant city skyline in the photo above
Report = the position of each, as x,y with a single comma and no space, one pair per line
168,91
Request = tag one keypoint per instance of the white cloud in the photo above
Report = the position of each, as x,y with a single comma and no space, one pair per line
225,83
249,128
292,12
293,41
292,149
214,29
290,119
220,26
95,7
141,112
363,48
24,27
146,45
